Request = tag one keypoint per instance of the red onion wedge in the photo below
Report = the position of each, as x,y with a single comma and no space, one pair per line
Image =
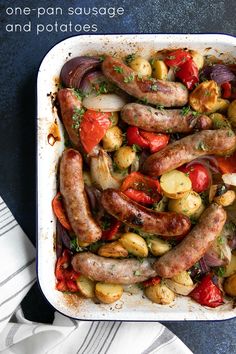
220,73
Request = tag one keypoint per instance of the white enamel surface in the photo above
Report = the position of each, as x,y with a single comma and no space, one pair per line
132,307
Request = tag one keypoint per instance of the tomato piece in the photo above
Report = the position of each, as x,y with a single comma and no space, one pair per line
227,164
63,262
110,234
151,281
61,286
156,141
59,211
177,57
134,138
93,127
200,176
140,196
72,286
188,73
207,293
226,87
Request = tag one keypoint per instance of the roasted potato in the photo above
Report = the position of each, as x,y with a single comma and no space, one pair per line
197,58
124,157
204,97
159,70
87,178
221,105
86,286
230,285
158,246
219,121
225,199
141,66
113,139
160,294
196,215
114,118
175,184
178,288
108,293
232,113
230,269
134,244
187,205
183,278
113,250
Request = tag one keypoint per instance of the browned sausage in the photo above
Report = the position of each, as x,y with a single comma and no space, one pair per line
194,245
207,142
153,91
163,120
70,104
75,198
109,270
137,216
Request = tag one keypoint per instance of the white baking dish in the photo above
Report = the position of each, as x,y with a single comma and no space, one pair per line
132,307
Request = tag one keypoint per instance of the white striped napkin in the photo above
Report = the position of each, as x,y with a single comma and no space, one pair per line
65,335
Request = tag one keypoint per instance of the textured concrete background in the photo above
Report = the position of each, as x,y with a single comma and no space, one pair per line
21,54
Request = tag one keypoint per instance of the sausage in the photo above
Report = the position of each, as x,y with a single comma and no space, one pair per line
70,103
137,216
194,245
75,198
207,142
164,121
153,91
109,270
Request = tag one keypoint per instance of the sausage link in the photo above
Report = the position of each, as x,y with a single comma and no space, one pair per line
75,198
207,142
137,216
163,120
194,245
153,91
109,270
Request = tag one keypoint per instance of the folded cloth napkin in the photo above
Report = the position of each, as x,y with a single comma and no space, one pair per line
65,335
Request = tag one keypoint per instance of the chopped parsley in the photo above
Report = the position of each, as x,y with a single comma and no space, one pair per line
220,240
220,271
185,110
102,88
77,117
154,87
136,148
101,58
74,245
118,69
129,58
129,78
137,273
160,107
202,146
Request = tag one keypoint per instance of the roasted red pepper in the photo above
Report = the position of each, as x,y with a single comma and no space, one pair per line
59,211
72,286
207,293
177,57
110,234
93,127
61,286
151,281
156,141
134,138
188,73
149,187
227,90
65,274
62,264
227,164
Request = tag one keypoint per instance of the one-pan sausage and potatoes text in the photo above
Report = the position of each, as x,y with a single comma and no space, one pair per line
147,179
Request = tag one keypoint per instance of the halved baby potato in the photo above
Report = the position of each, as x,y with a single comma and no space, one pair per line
141,66
159,70
226,199
86,286
113,139
113,250
230,269
160,294
177,288
134,244
183,278
230,285
108,293
175,184
158,246
198,58
187,205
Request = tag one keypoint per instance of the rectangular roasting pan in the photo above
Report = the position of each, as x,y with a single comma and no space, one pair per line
133,307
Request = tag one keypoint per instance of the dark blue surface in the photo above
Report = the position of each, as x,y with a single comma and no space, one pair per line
21,54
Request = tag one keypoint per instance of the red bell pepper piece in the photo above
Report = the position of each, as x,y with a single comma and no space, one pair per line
188,73
72,286
227,88
156,141
61,286
110,234
59,211
139,196
227,164
93,127
63,262
207,293
70,274
177,57
151,281
134,138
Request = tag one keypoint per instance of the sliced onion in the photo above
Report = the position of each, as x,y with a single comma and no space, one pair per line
232,242
94,196
73,70
62,239
218,254
180,289
203,265
219,73
101,173
91,81
229,178
105,102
